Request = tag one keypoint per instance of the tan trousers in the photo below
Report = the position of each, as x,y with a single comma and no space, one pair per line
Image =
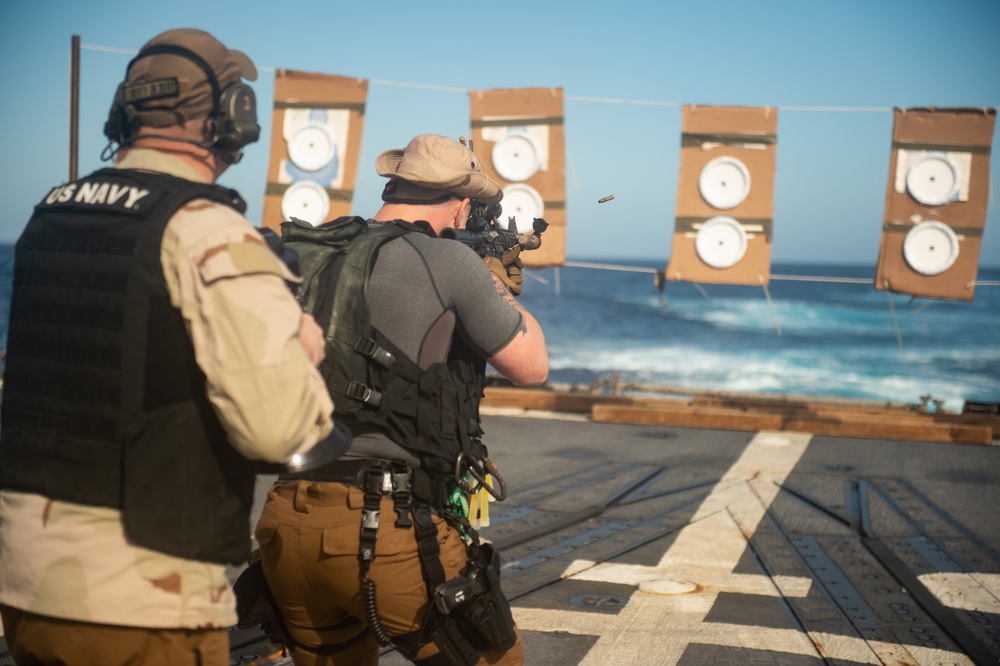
39,640
309,536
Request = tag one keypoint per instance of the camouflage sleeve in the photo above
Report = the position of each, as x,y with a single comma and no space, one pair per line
244,326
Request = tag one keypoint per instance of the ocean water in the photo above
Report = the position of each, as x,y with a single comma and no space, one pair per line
821,339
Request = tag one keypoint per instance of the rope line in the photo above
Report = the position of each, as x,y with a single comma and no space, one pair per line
422,86
820,278
895,321
610,267
791,278
571,98
770,304
107,49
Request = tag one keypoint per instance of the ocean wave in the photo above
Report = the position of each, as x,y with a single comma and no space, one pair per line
830,340
864,373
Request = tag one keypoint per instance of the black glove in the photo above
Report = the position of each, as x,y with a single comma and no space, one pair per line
508,269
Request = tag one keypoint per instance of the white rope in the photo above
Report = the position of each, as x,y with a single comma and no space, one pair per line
537,278
895,322
770,304
107,49
422,86
849,109
571,98
608,100
791,278
820,278
610,267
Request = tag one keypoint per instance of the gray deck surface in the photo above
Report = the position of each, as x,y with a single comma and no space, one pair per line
655,545
644,545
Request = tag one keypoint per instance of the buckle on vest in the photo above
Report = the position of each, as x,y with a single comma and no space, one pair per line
369,520
367,347
380,477
365,394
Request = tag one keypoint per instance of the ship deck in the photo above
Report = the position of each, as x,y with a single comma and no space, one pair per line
638,543
641,544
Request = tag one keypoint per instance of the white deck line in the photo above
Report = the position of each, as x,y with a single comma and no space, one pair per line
668,613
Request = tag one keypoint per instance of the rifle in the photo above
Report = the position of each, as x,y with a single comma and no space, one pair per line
488,239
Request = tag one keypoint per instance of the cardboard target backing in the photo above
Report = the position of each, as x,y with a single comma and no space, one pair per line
935,204
725,195
519,137
315,143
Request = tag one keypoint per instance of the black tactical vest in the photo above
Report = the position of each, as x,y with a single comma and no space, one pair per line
432,413
103,401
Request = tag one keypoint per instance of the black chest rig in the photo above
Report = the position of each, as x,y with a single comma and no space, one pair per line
432,413
104,403
435,412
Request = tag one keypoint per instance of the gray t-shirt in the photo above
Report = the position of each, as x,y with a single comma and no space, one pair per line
422,292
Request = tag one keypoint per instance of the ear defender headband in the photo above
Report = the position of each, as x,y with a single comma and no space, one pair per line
234,109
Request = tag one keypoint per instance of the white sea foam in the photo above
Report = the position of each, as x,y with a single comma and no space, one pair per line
835,340
862,373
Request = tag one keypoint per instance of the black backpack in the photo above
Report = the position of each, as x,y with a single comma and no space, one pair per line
434,413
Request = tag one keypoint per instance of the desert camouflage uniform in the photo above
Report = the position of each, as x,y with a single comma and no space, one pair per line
72,561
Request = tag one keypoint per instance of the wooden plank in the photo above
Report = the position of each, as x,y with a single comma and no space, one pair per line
499,396
845,425
759,413
821,408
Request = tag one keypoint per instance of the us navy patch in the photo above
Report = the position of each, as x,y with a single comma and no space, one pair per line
98,192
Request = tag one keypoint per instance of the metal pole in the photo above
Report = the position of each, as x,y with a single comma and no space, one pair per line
74,106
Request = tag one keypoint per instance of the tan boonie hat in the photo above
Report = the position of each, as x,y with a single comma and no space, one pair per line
431,168
150,81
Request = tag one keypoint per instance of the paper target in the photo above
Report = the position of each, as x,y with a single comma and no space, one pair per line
721,242
523,203
933,179
307,201
312,147
930,248
515,157
724,182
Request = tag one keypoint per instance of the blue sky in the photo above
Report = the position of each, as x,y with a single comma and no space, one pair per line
832,165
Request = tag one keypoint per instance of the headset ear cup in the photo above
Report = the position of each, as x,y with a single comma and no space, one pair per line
237,125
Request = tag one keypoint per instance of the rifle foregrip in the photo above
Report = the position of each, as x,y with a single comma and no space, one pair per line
529,241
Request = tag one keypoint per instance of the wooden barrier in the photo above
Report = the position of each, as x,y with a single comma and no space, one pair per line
848,410
915,428
755,412
555,401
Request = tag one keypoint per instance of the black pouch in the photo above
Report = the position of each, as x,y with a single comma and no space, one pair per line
476,605
489,613
256,607
452,639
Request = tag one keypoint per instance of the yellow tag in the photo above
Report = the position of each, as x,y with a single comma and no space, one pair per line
474,510
479,505
484,502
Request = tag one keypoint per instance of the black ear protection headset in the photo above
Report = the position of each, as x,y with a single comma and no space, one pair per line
234,110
